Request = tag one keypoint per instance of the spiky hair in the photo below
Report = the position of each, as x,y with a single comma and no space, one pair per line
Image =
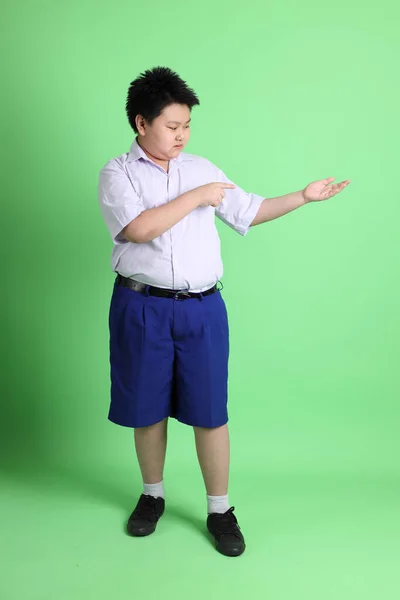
153,91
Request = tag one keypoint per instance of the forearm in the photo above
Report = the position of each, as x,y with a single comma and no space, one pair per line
272,208
154,222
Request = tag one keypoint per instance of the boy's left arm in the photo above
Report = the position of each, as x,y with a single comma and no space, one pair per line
272,208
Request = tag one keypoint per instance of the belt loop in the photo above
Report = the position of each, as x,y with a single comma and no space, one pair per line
146,290
201,296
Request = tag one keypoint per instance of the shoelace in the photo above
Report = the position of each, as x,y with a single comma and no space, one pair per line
146,508
227,524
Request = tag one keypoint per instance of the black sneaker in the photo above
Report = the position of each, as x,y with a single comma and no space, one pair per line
143,520
226,531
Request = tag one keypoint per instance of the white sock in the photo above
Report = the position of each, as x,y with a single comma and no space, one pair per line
154,489
217,504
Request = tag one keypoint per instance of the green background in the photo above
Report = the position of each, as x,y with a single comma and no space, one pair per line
290,93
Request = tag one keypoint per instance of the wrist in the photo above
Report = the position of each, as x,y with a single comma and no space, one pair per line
194,198
303,197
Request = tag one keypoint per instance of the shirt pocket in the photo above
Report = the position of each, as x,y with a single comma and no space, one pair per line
149,185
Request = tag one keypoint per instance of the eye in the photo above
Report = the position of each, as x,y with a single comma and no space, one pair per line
173,128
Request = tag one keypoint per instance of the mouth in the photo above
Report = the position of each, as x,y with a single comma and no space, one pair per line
179,146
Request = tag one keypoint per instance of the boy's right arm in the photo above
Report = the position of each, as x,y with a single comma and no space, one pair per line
153,222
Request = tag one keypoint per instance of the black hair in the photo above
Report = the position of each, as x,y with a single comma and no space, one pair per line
153,91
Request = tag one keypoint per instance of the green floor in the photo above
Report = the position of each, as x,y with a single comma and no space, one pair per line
311,536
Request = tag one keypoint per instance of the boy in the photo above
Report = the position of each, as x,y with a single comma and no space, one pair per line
169,337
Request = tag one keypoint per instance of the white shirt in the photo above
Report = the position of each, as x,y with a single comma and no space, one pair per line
188,255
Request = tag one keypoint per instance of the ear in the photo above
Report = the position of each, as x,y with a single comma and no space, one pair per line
141,124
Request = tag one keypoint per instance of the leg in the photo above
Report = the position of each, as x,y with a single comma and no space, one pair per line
141,360
202,352
212,446
151,446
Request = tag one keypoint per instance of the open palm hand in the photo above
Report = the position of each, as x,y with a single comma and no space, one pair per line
322,189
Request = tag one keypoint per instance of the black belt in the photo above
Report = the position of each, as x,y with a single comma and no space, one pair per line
137,286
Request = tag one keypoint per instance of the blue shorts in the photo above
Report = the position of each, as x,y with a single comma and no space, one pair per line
168,358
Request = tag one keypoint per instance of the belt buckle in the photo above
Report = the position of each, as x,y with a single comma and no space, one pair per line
139,287
183,293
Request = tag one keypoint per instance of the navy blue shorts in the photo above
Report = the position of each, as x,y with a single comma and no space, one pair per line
168,358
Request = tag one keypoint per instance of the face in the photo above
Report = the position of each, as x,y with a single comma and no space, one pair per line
167,135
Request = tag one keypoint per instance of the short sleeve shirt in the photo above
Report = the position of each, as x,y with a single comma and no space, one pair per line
188,255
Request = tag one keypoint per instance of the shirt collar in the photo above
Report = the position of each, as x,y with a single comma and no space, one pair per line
136,152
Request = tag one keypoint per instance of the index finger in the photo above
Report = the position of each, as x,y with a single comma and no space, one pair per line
228,185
